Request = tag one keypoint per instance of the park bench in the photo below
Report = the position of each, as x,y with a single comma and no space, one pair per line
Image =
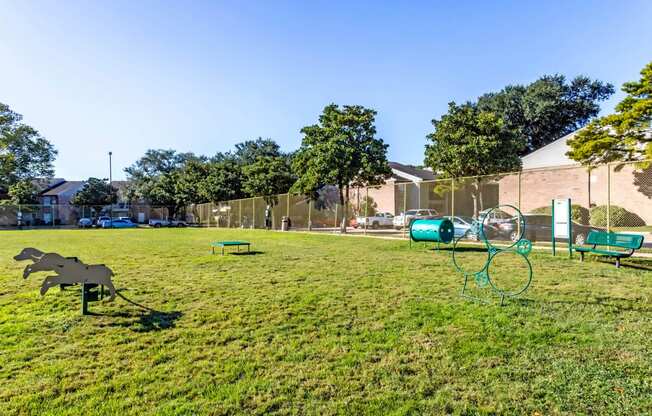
610,245
224,244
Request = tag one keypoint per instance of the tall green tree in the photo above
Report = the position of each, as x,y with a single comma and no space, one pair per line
188,184
468,142
248,151
223,181
24,153
268,176
341,150
154,177
547,109
96,194
23,193
625,135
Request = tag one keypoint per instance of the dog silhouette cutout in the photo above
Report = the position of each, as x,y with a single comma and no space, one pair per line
68,270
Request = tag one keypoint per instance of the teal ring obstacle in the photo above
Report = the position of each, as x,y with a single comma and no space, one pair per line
519,247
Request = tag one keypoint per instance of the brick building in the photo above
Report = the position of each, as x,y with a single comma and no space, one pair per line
548,173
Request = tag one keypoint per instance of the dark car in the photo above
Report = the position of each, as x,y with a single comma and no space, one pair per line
538,227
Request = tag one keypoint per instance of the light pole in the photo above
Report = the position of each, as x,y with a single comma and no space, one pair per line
110,185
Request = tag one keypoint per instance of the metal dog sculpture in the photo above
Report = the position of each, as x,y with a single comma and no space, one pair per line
68,270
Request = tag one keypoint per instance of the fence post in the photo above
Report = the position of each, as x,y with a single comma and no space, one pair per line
404,207
240,213
518,223
519,191
310,215
452,197
288,208
608,197
336,206
366,209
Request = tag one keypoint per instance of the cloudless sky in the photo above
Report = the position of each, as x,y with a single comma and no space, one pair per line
125,76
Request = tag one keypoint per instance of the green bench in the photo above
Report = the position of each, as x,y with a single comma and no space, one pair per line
611,245
224,244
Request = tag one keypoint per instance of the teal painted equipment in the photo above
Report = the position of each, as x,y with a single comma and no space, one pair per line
438,230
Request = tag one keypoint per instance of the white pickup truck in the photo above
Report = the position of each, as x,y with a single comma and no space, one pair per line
158,223
381,219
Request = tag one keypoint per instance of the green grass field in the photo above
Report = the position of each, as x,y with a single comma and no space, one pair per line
317,324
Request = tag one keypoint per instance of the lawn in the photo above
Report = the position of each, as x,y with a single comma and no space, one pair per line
317,324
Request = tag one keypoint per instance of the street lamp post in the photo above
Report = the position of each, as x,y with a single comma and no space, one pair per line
110,184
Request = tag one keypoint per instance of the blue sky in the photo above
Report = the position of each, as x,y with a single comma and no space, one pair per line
197,76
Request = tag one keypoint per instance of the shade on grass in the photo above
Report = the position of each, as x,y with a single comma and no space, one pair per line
316,324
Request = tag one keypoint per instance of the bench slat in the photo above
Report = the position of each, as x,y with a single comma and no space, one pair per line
627,241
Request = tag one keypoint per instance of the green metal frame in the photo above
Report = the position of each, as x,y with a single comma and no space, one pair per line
482,278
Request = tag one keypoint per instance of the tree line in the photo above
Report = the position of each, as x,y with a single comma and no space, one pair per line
474,138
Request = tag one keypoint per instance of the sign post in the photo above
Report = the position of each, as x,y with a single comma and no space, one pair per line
562,224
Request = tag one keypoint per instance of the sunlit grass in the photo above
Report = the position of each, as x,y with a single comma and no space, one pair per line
317,324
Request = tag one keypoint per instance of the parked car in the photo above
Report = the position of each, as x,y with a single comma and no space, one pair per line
405,219
118,224
381,219
468,225
100,220
495,216
85,223
462,225
158,223
538,227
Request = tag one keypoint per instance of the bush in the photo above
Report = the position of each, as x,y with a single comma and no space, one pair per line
619,217
579,214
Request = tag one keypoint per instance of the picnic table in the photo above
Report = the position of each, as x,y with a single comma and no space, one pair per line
224,244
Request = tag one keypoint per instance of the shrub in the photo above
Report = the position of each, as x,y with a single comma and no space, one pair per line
579,214
619,217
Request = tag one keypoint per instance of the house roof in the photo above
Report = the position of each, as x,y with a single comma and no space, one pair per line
63,187
43,184
401,172
551,155
554,154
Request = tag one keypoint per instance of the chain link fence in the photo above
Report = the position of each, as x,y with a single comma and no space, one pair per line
66,216
613,197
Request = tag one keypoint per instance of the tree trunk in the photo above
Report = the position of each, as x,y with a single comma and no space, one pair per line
475,194
172,210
